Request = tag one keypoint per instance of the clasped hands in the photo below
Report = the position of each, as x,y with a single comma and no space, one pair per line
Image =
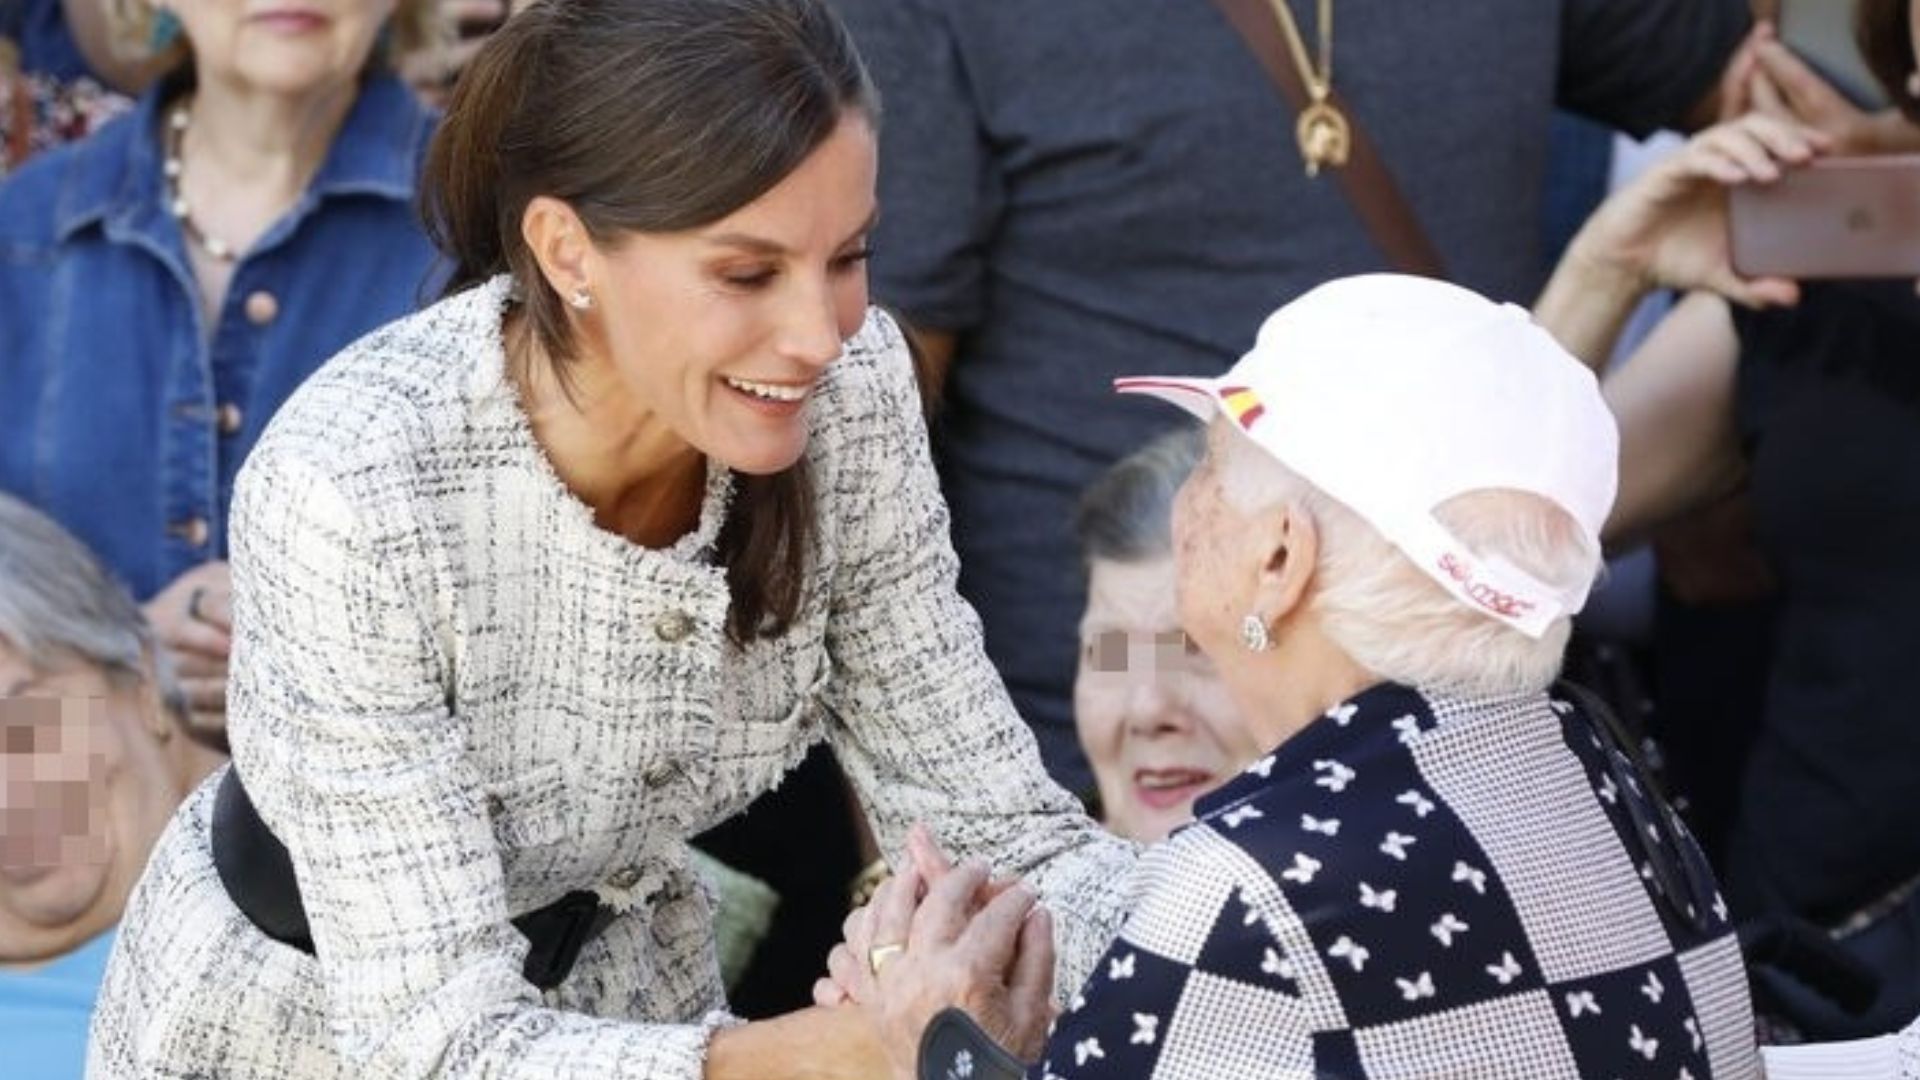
937,935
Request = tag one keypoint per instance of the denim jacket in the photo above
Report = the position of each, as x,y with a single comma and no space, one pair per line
121,414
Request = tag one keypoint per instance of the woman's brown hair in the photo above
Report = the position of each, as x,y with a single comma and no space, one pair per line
1884,29
646,116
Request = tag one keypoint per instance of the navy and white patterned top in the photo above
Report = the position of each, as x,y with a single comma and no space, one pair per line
1415,886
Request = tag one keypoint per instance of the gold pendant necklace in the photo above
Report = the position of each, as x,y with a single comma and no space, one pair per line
1322,131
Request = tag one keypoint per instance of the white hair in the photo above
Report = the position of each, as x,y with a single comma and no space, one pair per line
1397,622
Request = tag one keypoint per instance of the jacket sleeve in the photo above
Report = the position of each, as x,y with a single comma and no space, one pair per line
926,731
340,721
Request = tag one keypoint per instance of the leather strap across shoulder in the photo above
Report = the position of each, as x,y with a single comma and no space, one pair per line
1365,179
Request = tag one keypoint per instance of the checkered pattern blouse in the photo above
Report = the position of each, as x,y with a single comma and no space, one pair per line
1416,887
456,700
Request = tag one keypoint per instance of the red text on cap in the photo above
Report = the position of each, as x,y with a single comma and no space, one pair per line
1503,604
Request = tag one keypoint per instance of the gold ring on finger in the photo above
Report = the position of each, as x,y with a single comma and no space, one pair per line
878,956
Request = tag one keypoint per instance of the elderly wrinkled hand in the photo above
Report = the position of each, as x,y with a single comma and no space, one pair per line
848,979
849,975
934,947
192,621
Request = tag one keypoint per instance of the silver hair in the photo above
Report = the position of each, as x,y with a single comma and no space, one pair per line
1398,623
1127,514
58,604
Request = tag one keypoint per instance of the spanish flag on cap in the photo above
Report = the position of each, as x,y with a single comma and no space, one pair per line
1242,404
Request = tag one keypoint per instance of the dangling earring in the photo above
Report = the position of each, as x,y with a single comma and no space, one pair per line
582,300
1253,634
1913,85
164,32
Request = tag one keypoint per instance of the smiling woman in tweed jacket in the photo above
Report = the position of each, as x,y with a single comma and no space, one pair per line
534,585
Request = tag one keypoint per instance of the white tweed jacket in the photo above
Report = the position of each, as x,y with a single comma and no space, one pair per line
455,700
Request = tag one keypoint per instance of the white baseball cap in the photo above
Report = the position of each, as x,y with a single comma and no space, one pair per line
1394,394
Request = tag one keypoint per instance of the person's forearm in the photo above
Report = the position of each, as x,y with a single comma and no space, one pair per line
812,1044
1586,304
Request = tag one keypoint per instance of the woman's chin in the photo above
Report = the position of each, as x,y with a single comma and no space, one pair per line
294,69
1151,824
53,897
762,457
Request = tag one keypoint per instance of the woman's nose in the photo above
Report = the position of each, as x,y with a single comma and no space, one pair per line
810,330
1152,706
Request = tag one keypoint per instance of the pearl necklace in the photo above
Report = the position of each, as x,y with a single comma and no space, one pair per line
217,249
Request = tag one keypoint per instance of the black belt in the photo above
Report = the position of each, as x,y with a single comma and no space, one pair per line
258,874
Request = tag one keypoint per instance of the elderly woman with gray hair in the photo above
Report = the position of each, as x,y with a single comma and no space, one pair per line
95,754
1445,865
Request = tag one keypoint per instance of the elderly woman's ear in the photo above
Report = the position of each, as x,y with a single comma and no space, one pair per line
1288,544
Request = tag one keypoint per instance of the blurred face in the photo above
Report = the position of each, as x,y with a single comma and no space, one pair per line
1153,716
722,332
287,47
84,793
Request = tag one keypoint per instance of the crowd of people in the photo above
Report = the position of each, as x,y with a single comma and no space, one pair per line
459,458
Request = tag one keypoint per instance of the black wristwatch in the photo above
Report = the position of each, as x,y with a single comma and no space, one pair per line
954,1048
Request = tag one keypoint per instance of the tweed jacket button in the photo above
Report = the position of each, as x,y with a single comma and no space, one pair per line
496,806
673,626
625,878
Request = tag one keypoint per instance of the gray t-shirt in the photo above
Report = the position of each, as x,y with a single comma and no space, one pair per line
1083,189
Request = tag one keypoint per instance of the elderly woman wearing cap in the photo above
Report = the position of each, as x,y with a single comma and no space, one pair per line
1444,866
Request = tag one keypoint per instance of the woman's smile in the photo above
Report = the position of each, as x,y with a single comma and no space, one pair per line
776,399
